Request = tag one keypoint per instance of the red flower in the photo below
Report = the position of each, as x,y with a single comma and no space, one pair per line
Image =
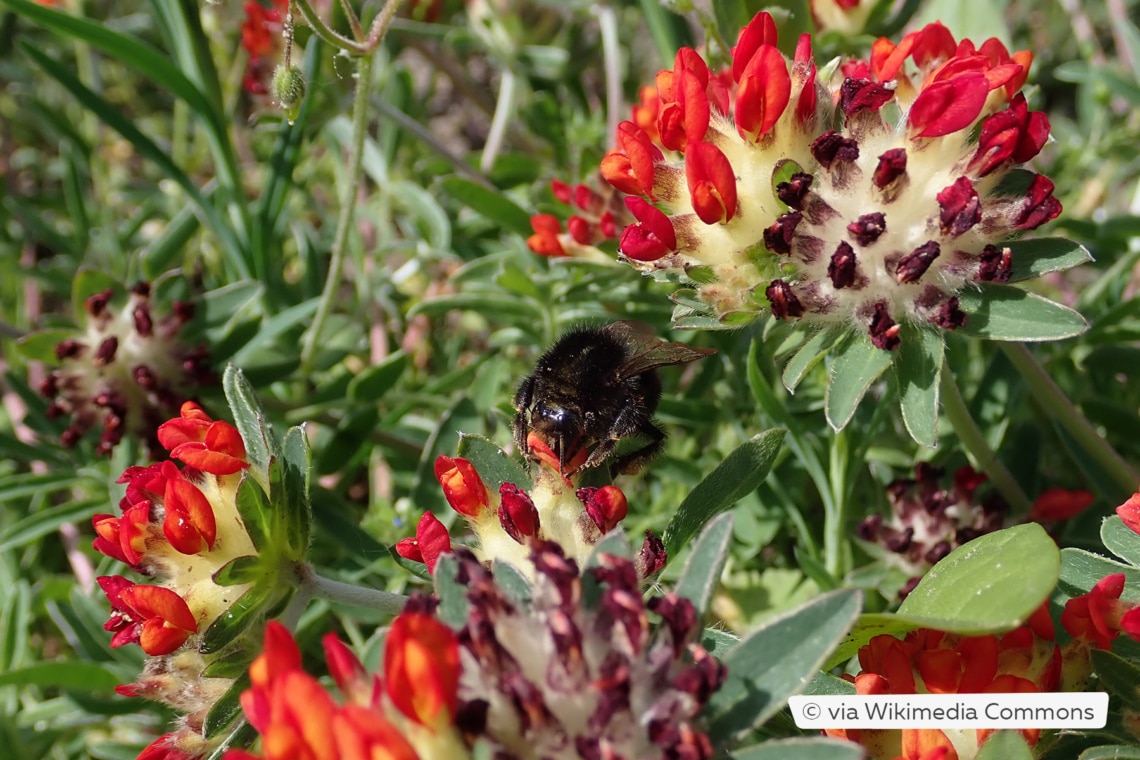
545,240
155,617
432,540
462,486
1129,512
421,669
1059,504
202,443
1098,617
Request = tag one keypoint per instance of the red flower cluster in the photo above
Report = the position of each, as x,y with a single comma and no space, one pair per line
506,522
261,39
743,174
380,718
598,216
167,515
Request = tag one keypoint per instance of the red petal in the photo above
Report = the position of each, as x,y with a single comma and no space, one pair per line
432,539
933,43
225,438
189,516
517,513
652,238
1130,623
712,183
762,94
948,106
201,457
462,486
761,30
1129,512
160,602
1060,504
409,548
157,637
545,241
561,190
421,669
606,506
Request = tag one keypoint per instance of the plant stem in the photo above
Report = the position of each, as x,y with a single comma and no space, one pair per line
347,593
322,30
381,23
504,110
347,205
607,25
971,436
834,530
1051,398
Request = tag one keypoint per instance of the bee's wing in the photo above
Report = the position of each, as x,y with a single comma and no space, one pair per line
647,351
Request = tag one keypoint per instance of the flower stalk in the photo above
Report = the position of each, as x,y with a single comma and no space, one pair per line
347,593
974,441
1054,401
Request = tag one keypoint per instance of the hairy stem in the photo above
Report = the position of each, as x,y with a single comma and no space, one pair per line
971,436
315,585
1051,398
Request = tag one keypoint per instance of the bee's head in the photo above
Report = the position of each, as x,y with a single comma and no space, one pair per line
559,426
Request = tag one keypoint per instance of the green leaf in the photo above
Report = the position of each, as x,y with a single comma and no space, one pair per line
240,570
46,521
1081,570
1005,745
801,748
1118,676
232,664
718,642
255,511
857,365
493,466
1033,258
778,660
519,310
1121,540
227,709
64,674
917,372
1112,752
827,684
128,50
510,580
489,202
244,612
452,594
372,383
39,346
293,505
249,418
147,148
87,283
733,479
989,585
809,355
275,327
994,581
1001,312
701,575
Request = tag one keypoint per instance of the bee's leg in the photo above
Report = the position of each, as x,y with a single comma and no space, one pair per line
520,427
628,464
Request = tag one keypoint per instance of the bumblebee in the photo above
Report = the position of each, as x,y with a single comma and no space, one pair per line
595,387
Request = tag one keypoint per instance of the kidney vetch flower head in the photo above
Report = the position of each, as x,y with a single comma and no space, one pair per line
879,196
126,370
512,512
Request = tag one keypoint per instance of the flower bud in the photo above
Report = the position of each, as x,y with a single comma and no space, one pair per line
288,88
